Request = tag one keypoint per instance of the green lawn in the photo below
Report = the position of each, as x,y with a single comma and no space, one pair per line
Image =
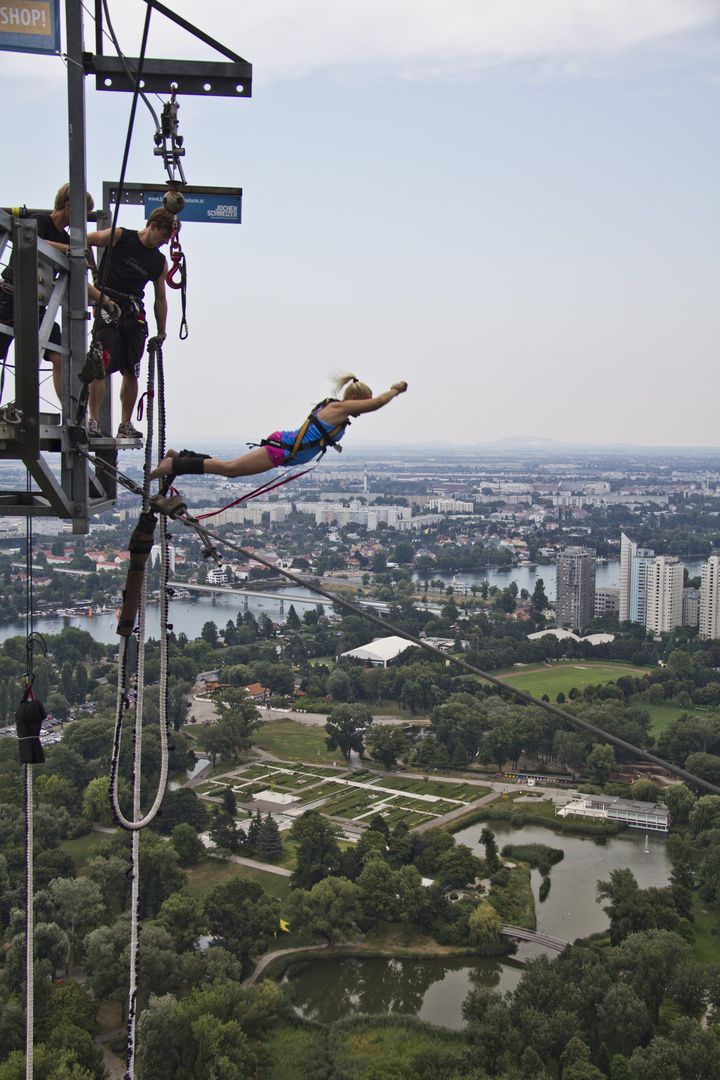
207,873
292,741
663,714
537,680
81,848
706,948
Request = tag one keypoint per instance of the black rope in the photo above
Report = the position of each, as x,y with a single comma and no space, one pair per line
184,328
85,390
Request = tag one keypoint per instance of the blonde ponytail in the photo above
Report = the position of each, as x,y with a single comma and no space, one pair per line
354,388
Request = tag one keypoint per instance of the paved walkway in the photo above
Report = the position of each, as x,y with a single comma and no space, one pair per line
115,1067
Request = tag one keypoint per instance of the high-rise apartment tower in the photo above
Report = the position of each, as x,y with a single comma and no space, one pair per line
709,621
575,604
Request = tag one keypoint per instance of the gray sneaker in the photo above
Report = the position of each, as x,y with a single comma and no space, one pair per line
127,431
94,430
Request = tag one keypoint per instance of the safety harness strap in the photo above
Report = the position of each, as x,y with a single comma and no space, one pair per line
188,462
328,438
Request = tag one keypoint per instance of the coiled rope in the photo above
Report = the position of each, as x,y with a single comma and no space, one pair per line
136,590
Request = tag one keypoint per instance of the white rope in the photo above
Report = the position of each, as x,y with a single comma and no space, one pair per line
29,927
137,822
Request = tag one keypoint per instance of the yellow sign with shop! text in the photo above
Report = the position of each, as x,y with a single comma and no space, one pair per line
30,26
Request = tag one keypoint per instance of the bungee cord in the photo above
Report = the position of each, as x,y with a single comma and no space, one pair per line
134,604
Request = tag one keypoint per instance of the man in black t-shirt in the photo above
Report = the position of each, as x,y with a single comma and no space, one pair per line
135,260
51,228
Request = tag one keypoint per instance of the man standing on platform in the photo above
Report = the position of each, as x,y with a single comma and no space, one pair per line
52,228
135,260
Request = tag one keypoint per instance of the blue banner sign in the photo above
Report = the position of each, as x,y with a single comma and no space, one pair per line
30,26
199,207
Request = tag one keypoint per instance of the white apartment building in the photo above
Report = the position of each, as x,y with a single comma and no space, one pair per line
451,506
607,601
156,553
691,607
628,548
709,617
664,594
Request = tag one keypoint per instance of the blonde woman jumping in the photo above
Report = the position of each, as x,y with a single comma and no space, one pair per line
324,427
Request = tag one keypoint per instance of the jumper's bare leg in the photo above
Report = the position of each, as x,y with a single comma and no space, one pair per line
256,461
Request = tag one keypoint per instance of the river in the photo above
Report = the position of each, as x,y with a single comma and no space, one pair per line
526,577
189,616
434,989
186,616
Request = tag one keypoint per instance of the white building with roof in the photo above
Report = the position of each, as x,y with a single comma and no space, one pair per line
380,650
653,817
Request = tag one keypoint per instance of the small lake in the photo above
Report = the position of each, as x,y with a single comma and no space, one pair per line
570,910
432,989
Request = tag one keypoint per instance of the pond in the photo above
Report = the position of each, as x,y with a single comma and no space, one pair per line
432,989
570,910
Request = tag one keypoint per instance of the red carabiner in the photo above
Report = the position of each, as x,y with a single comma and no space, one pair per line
176,257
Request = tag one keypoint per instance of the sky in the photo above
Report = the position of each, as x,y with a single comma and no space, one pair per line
512,206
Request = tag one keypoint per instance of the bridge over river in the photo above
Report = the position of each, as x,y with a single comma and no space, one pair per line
531,935
286,597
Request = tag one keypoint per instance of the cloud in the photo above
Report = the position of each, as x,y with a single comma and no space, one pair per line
292,37
428,39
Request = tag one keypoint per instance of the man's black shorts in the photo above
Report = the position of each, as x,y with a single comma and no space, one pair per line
124,343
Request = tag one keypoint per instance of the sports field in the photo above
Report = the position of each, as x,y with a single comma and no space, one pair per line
539,680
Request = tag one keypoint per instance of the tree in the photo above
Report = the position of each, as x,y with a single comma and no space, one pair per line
378,886
187,843
487,839
600,762
329,909
345,728
679,800
157,1055
110,874
242,917
318,851
96,800
706,766
238,719
209,633
292,621
229,801
77,903
458,866
539,600
339,686
645,790
623,1018
484,925
705,814
160,872
386,743
269,843
226,834
106,962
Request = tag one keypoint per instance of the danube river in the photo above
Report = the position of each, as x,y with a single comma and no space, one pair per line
526,577
189,616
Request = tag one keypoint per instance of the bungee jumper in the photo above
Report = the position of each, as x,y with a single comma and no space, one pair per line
324,427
